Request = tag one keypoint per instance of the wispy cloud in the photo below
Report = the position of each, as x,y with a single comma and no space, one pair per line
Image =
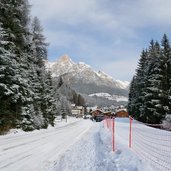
103,33
118,69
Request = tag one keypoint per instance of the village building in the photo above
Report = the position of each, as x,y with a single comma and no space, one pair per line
108,114
121,113
77,111
96,112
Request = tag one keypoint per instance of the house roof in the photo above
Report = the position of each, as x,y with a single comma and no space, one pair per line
97,110
119,110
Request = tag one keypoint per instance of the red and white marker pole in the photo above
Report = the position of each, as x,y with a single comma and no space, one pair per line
113,134
130,132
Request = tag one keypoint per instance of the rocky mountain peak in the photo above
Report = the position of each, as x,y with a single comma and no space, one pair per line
65,59
81,73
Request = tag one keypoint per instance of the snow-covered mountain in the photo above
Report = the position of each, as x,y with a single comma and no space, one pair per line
65,66
86,80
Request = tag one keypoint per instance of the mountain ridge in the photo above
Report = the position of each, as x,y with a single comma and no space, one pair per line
90,83
64,66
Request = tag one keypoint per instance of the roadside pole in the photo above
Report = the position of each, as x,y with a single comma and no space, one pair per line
113,134
130,132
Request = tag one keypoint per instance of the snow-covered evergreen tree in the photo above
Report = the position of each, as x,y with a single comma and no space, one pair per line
14,19
166,53
49,102
140,85
63,96
154,110
8,88
26,95
149,97
166,67
137,86
131,107
41,79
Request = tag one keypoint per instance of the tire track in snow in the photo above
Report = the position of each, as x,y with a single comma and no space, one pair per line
44,147
5,140
21,158
41,136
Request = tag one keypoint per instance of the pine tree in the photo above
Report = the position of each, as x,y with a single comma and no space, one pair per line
38,75
169,91
166,53
8,88
137,86
39,44
166,67
132,98
44,89
50,109
141,85
154,111
14,19
24,82
17,21
149,97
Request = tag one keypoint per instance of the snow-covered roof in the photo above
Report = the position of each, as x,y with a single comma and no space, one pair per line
119,110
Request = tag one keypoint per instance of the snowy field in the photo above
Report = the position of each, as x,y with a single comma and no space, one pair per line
78,145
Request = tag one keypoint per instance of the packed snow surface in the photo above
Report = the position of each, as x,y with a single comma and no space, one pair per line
78,145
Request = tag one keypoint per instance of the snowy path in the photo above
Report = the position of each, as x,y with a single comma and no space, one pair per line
81,145
94,153
37,150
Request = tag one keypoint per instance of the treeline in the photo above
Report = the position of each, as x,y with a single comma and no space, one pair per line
28,97
150,89
26,93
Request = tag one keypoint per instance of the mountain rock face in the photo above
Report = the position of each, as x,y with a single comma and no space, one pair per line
82,78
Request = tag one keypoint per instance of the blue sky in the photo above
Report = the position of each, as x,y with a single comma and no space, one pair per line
109,35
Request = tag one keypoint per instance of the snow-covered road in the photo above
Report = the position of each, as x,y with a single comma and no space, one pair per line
78,145
38,150
94,152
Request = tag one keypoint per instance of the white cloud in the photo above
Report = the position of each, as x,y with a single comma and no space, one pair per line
100,30
69,10
124,69
127,15
60,38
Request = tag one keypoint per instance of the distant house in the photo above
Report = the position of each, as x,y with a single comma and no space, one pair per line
121,113
108,114
96,112
77,111
73,105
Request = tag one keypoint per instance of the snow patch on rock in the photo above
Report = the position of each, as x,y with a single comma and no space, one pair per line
110,97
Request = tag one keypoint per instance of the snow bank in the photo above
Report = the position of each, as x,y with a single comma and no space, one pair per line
76,145
93,153
58,123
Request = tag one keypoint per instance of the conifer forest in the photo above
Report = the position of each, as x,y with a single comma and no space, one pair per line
29,98
150,88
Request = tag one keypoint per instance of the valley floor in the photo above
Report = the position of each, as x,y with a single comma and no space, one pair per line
79,145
